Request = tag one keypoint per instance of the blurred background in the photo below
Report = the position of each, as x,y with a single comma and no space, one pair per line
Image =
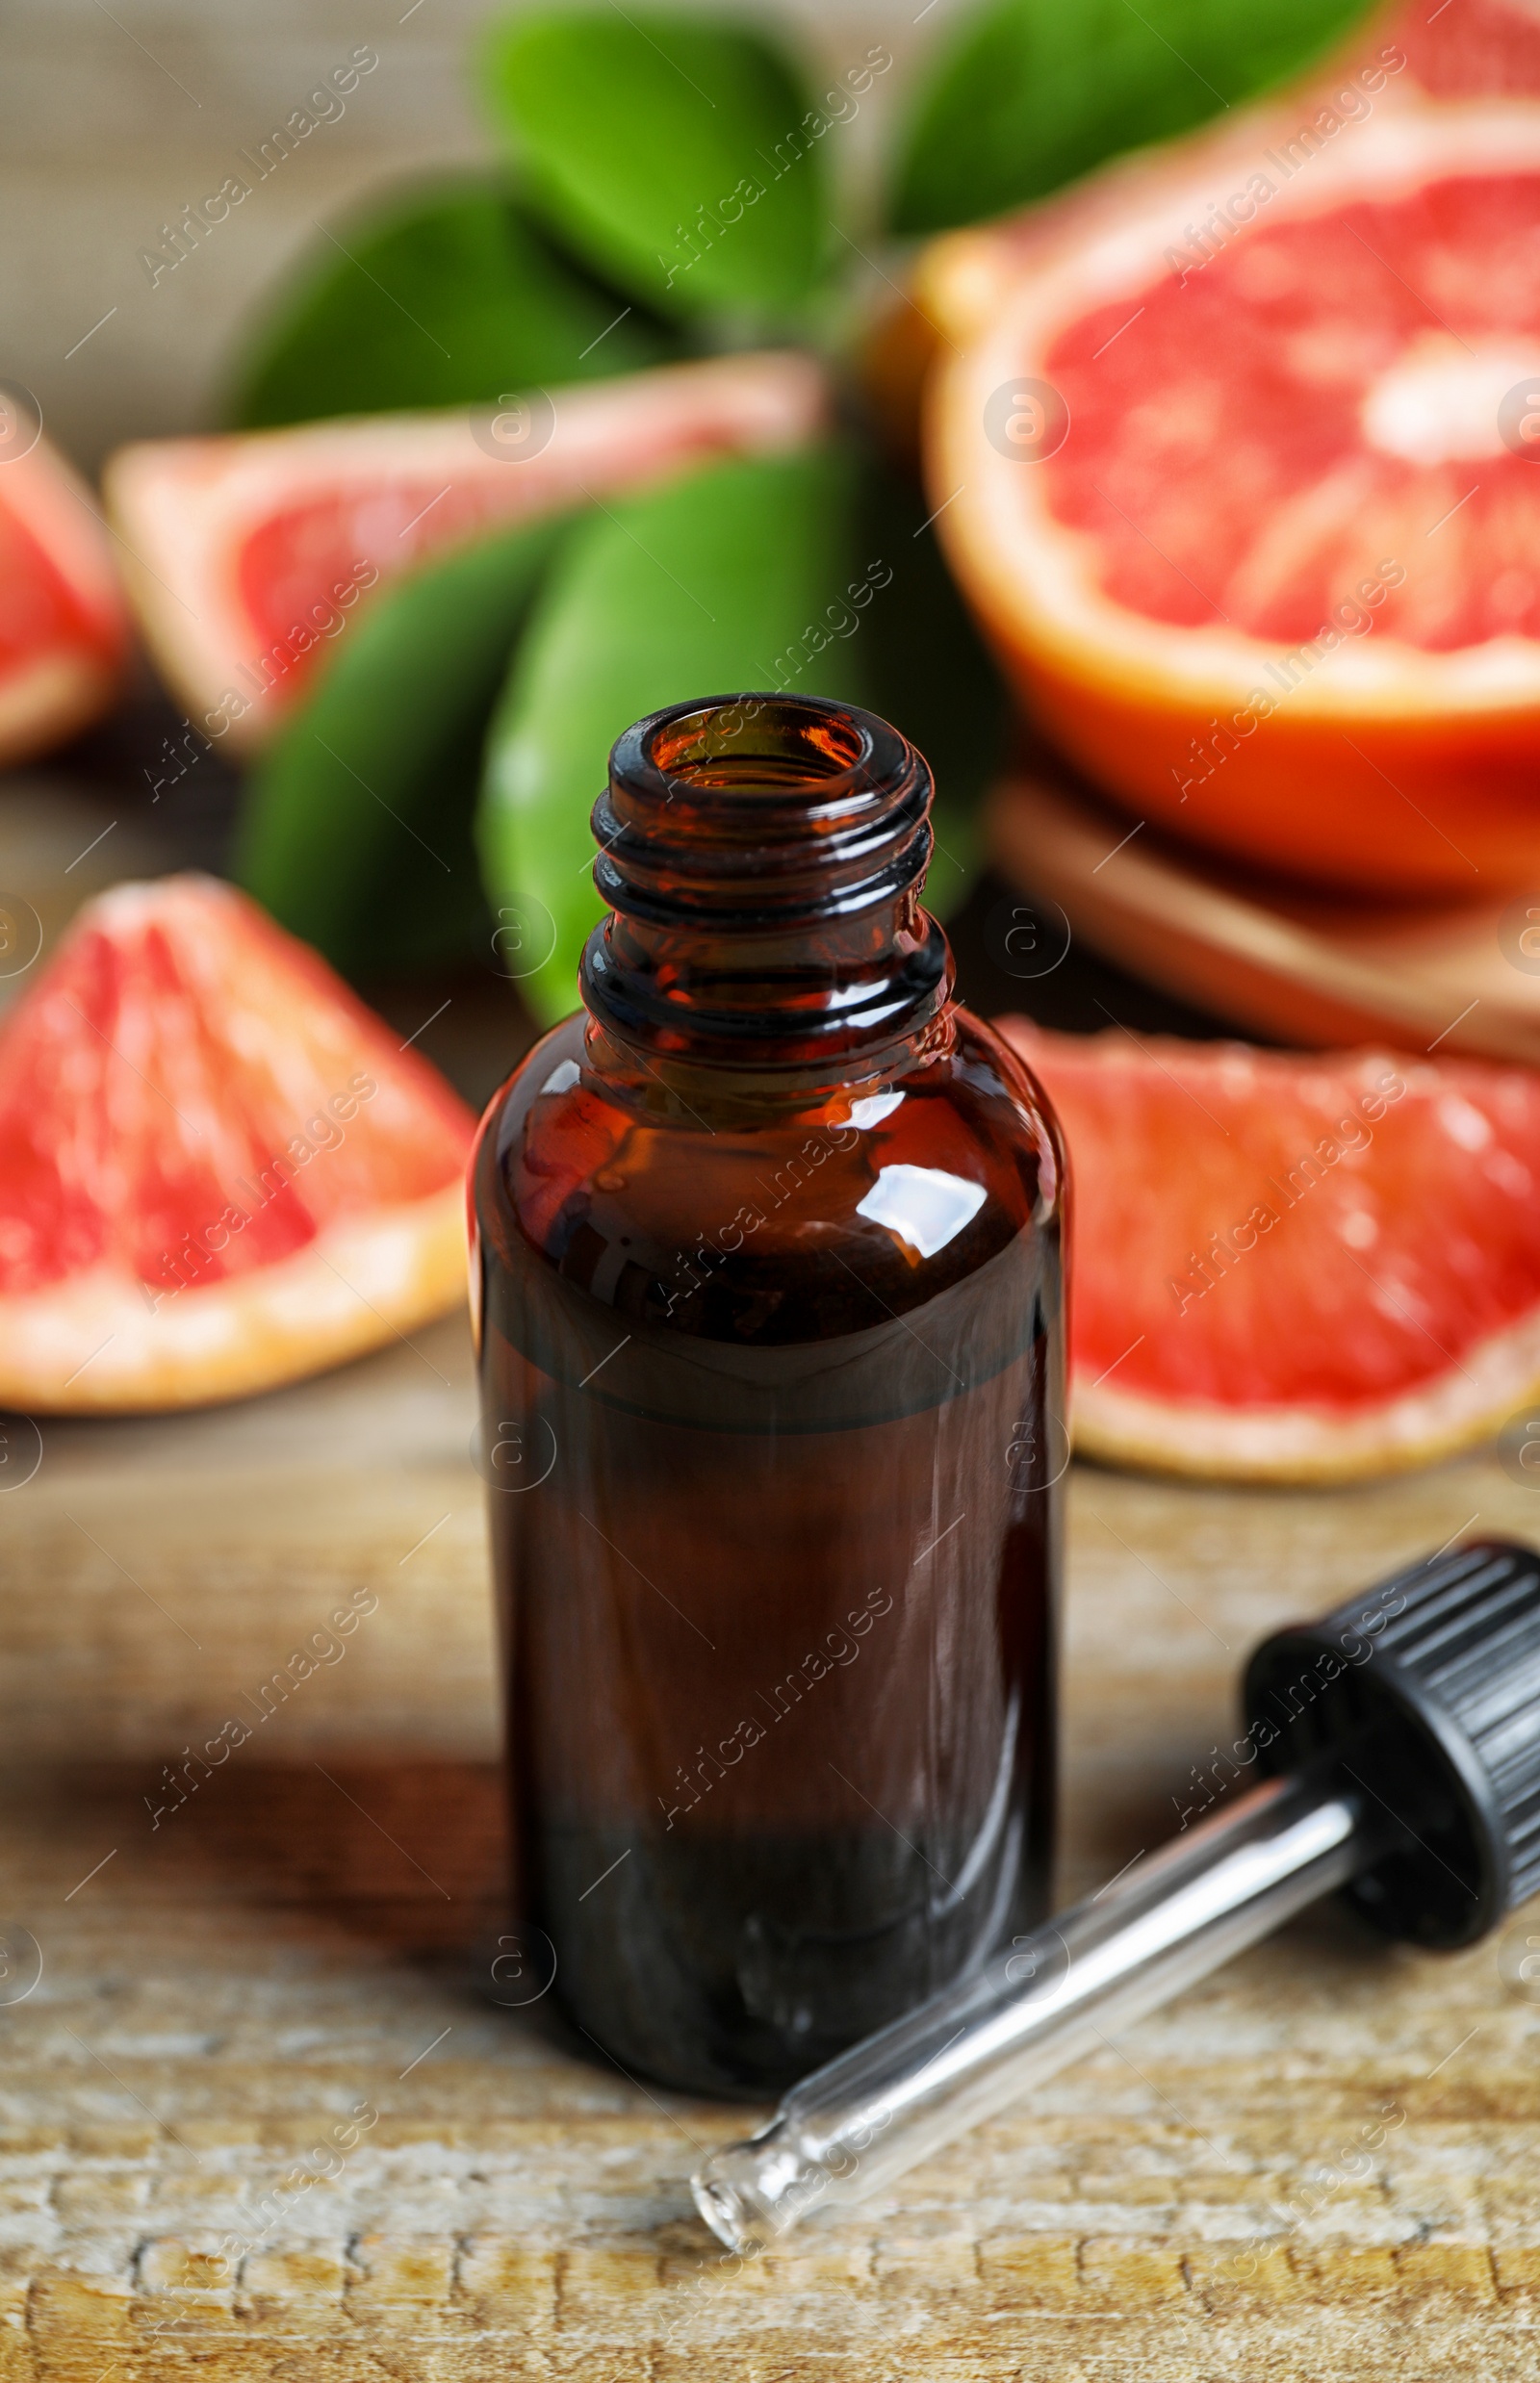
109,121
112,121
1138,406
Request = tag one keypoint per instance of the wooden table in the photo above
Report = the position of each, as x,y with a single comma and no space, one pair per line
307,1933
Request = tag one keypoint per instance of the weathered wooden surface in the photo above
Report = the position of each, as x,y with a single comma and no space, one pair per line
301,1937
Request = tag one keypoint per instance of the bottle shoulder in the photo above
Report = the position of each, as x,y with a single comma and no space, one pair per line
767,1221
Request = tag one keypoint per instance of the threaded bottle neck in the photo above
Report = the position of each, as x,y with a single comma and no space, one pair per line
761,855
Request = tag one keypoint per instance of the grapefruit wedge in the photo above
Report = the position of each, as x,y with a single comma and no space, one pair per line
217,1170
1239,467
64,631
247,555
1293,1269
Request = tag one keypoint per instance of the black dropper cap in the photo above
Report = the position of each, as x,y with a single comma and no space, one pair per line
1422,1696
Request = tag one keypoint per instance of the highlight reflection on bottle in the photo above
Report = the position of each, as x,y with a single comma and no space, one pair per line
770,1308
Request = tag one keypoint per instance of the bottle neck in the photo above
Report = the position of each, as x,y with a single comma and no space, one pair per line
761,857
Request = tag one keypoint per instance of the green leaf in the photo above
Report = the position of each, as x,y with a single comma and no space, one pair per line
680,157
1037,91
355,829
443,296
718,583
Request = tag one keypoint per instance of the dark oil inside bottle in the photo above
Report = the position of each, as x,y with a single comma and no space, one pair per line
771,1329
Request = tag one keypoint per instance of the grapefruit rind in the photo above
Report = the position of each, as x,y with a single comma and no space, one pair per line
1303,1447
187,508
1035,579
49,699
105,1346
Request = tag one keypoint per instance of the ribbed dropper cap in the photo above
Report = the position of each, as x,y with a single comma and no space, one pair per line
1426,1692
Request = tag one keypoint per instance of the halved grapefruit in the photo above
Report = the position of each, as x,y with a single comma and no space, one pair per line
1404,56
219,1171
1275,581
246,555
1294,1267
63,630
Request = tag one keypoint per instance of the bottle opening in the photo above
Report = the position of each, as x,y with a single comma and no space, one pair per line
760,805
759,857
759,741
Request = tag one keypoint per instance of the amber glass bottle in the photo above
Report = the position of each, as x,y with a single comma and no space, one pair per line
770,1304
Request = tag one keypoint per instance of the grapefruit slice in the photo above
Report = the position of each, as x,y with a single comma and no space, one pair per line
217,1170
1294,1267
1267,572
63,627
246,555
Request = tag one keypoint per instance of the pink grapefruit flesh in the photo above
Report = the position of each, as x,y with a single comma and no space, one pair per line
1276,587
1470,49
1293,1269
217,1170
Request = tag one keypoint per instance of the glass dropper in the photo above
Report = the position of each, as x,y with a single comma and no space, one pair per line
1404,1729
859,2122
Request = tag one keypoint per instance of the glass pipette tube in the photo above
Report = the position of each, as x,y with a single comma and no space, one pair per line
854,2125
